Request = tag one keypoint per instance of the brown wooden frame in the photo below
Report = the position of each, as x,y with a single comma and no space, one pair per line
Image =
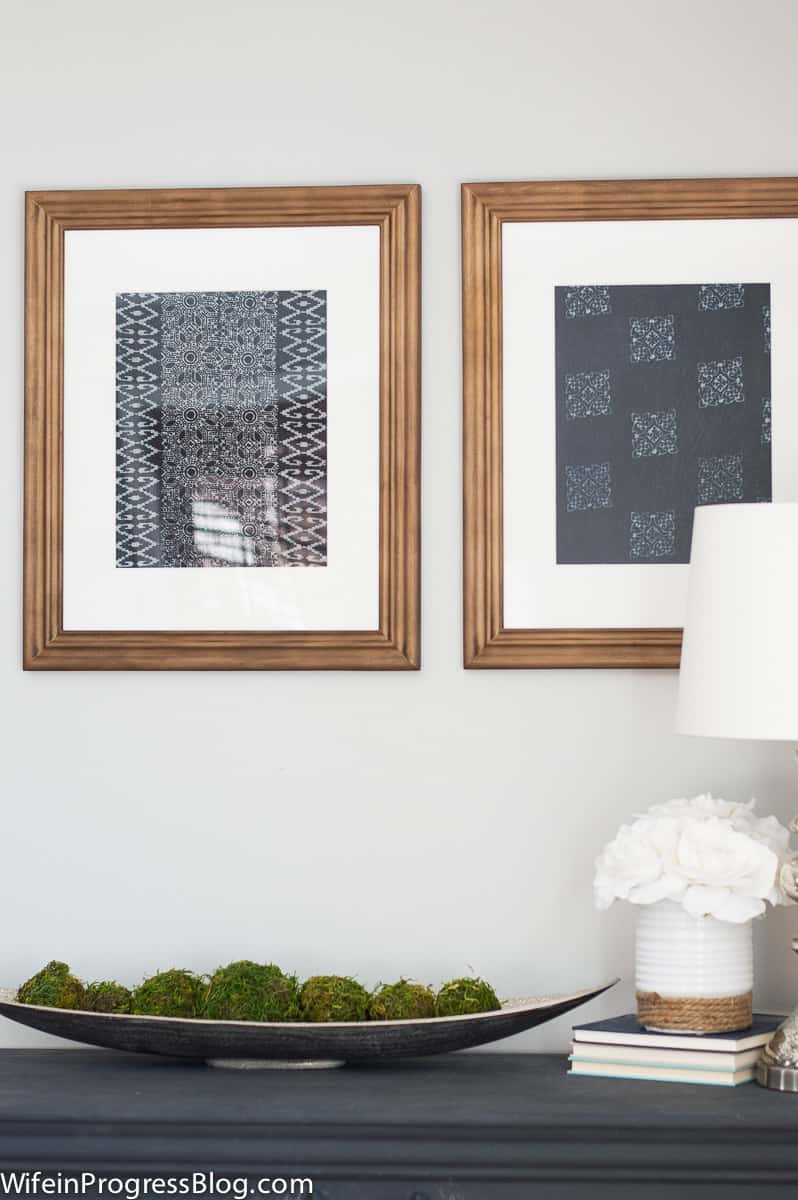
395,644
485,208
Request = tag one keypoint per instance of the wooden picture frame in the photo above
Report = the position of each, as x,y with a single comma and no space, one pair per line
487,209
394,645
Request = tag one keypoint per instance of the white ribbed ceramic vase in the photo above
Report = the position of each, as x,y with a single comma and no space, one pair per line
692,974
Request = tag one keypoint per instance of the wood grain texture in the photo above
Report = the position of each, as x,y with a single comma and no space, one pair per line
395,644
485,208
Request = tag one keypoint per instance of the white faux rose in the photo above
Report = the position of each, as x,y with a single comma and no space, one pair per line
631,867
714,857
729,874
699,807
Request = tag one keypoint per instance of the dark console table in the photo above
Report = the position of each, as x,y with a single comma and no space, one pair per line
460,1127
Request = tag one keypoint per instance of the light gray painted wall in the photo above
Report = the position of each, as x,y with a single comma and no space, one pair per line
373,824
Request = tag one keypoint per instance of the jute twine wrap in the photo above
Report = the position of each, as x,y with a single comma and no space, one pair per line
703,1014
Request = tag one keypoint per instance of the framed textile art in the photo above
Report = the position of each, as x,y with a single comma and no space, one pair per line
222,429
626,350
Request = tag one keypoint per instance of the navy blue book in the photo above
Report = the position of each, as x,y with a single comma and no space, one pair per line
625,1031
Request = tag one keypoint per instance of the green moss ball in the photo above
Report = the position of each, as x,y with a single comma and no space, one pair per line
333,998
107,996
402,1001
461,996
174,993
52,987
248,991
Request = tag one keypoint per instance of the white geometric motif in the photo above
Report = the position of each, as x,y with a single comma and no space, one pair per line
587,301
720,382
720,479
302,370
138,452
652,339
587,394
715,296
654,433
588,487
652,534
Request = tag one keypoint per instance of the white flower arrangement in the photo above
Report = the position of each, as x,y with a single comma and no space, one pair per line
713,857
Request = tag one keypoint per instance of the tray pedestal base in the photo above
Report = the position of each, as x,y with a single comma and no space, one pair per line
274,1064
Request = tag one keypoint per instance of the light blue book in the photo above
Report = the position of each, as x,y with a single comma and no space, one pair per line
660,1074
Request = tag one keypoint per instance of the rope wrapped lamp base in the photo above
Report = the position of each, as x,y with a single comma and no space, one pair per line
695,1014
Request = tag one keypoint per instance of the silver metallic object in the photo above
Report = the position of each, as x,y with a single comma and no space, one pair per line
778,1063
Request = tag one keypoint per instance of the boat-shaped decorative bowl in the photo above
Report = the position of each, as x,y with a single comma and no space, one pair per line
294,1043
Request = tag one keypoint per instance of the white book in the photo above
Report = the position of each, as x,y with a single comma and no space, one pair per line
660,1056
607,1070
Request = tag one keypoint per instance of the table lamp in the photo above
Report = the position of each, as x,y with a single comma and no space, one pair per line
739,671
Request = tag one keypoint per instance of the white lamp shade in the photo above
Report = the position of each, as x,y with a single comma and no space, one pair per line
739,673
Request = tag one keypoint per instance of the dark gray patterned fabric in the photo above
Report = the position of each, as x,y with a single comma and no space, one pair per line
663,403
221,429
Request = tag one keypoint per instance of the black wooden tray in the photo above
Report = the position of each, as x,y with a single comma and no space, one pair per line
295,1043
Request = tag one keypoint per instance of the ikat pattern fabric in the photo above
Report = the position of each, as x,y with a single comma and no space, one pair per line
221,429
663,403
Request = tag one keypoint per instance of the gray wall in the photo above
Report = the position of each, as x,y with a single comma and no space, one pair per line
375,824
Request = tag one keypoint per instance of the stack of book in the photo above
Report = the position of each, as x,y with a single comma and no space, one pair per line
622,1049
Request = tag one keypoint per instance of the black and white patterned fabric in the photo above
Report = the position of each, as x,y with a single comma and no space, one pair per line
663,403
221,429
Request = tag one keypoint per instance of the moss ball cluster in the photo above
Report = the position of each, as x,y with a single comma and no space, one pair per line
248,991
175,993
52,987
402,1001
459,997
333,998
106,996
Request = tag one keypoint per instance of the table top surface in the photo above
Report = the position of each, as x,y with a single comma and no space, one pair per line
521,1093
